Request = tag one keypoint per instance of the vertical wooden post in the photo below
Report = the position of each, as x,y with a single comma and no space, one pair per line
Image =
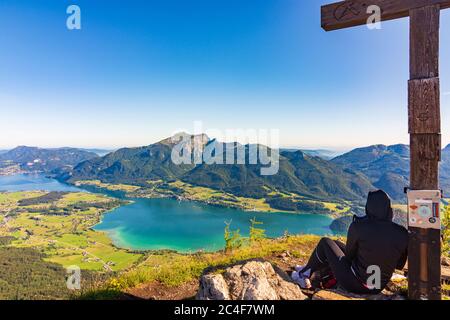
424,266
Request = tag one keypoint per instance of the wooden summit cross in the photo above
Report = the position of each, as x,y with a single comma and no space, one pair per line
424,265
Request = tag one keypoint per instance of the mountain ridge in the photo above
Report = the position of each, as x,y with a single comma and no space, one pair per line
348,176
318,178
45,160
387,166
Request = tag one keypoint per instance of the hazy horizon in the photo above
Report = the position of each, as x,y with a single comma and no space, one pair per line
113,148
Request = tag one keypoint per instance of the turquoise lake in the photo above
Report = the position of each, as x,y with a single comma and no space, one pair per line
151,224
29,182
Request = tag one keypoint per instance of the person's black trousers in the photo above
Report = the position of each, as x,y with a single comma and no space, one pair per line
331,253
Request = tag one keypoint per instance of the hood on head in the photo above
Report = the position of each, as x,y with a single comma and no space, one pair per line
378,206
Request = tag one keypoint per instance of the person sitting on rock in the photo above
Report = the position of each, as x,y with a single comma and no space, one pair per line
375,247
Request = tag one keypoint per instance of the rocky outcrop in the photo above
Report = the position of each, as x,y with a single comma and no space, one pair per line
251,280
213,287
260,280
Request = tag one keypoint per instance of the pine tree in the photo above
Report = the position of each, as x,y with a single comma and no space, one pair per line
255,232
233,238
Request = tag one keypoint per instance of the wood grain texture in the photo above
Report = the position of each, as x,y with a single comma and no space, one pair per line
415,286
434,264
352,13
431,286
424,106
424,42
425,156
424,253
425,146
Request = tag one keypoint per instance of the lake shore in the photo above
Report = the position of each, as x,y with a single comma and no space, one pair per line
63,224
165,210
181,191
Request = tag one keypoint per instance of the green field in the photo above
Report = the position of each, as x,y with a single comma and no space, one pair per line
62,230
107,186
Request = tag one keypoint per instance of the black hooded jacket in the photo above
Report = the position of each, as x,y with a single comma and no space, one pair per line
376,240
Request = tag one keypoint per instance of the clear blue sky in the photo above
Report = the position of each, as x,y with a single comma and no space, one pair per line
140,70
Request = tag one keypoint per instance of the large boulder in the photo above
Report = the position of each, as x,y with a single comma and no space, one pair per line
213,287
251,280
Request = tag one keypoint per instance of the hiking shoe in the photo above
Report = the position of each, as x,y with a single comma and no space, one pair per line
301,280
306,273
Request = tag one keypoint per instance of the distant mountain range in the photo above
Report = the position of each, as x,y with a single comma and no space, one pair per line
387,167
323,153
326,154
34,159
99,152
346,177
299,173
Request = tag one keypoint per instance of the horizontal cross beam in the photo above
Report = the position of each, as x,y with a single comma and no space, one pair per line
352,13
